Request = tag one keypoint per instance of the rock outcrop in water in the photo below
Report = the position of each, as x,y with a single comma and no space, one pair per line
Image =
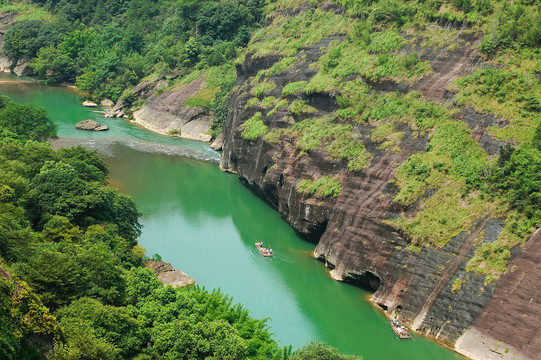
91,125
352,237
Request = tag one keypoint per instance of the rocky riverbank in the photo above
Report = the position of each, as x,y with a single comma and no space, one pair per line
165,112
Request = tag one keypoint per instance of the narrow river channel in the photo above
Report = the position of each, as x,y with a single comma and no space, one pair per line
205,223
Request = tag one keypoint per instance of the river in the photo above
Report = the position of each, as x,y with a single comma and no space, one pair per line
205,223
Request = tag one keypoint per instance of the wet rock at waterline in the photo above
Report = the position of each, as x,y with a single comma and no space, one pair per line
168,275
91,125
218,143
89,104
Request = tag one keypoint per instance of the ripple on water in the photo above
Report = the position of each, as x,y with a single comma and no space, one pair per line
108,147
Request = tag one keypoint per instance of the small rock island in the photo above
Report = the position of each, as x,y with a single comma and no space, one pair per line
91,125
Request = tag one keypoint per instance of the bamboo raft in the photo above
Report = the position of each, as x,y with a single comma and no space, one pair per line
264,251
400,331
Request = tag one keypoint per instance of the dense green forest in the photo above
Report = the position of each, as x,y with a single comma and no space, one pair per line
106,47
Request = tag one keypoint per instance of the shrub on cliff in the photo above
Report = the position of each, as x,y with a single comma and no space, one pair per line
322,187
253,128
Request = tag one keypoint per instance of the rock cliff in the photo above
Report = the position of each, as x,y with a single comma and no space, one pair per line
165,112
351,232
22,67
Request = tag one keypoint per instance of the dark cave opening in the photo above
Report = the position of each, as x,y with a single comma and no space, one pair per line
366,279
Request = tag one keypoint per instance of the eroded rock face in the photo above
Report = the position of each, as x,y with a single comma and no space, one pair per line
6,22
166,112
21,68
508,327
352,237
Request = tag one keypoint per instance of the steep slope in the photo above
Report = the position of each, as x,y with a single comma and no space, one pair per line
298,137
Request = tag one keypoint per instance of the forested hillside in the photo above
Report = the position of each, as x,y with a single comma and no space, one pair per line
107,47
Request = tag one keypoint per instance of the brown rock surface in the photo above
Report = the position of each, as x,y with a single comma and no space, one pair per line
89,103
512,318
166,113
91,125
449,65
168,275
88,124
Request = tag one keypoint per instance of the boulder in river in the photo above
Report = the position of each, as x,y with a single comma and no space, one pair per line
91,125
89,104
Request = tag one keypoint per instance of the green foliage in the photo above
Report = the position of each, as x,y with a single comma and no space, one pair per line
513,94
298,107
322,187
22,315
23,40
202,98
321,351
202,324
21,123
53,65
385,41
443,217
59,190
519,180
81,259
284,64
109,46
321,83
220,108
268,101
512,25
262,88
536,141
88,319
16,236
228,20
457,285
88,164
338,140
253,128
293,88
287,35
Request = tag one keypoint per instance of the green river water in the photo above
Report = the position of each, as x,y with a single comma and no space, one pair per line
205,222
